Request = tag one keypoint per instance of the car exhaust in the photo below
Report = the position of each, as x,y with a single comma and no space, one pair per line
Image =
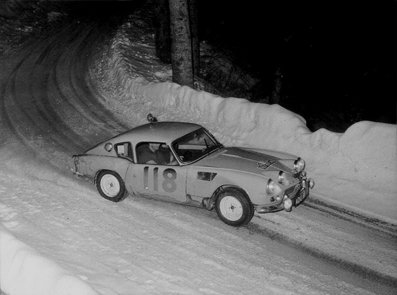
208,204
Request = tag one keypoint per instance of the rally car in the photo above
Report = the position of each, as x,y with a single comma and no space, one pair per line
184,163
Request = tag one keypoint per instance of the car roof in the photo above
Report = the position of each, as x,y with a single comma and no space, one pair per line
158,132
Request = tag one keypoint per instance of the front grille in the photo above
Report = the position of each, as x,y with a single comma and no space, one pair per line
291,191
301,196
296,193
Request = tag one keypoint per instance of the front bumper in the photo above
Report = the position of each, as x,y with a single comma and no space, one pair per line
292,197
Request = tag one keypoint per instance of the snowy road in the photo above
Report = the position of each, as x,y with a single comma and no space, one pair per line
49,111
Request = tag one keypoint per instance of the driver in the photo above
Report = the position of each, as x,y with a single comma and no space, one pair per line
155,153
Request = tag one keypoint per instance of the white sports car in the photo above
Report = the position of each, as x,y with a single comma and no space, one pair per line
184,163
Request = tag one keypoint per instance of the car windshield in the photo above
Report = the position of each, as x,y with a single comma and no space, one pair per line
195,145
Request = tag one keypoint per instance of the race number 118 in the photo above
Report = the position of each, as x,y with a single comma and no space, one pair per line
168,179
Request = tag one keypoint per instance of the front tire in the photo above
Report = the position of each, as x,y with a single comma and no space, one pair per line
233,207
110,186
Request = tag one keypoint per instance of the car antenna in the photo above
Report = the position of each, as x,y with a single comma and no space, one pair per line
151,118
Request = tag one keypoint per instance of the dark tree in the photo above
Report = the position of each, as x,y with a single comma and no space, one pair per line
194,24
163,33
276,93
181,46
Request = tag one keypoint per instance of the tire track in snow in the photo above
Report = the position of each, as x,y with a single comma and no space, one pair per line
85,95
156,245
37,93
28,120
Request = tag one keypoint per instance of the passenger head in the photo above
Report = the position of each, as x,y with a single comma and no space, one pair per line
154,146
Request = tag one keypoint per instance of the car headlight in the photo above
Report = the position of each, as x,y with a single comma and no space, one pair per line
299,165
272,188
282,178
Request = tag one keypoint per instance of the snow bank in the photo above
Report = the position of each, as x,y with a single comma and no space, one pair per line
365,156
24,272
366,152
357,168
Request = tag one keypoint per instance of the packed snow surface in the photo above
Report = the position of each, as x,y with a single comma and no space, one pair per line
58,237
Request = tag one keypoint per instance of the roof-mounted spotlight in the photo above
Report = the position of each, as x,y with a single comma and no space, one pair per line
151,118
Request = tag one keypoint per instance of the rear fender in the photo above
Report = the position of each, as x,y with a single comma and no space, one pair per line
90,165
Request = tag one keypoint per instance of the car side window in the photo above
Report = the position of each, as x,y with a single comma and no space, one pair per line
124,150
155,153
194,145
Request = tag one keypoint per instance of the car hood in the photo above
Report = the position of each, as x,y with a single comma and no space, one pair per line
241,159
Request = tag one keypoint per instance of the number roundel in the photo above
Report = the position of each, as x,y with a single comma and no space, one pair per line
169,176
169,184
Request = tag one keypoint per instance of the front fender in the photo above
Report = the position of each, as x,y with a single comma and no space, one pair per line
253,185
205,187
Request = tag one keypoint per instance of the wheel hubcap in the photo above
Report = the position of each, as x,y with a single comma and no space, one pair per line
110,185
231,208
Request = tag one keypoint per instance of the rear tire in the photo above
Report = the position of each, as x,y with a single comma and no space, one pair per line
233,207
110,186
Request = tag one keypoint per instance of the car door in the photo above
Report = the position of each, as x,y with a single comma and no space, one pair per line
160,181
160,175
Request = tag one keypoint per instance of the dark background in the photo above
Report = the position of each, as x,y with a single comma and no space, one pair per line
336,58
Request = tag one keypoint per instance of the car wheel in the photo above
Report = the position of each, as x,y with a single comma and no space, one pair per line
233,207
110,186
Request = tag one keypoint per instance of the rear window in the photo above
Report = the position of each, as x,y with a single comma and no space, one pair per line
124,150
